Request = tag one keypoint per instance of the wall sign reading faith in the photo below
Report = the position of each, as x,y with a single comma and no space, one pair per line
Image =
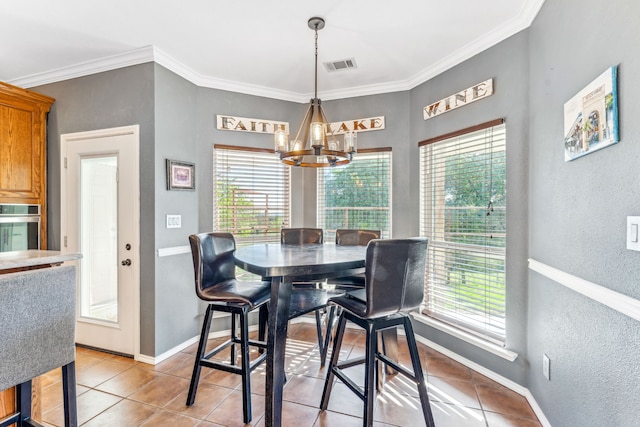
243,124
467,96
359,125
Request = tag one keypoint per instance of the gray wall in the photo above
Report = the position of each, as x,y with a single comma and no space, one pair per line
507,64
577,214
568,215
105,100
176,307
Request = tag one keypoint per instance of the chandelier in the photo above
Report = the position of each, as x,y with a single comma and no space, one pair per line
315,145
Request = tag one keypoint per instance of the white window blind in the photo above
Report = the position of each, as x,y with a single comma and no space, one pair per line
357,195
251,194
463,213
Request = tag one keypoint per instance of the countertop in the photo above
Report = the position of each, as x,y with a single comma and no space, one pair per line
32,258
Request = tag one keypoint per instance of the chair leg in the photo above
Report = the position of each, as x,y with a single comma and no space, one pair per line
417,372
319,330
246,371
23,401
370,376
202,346
69,393
327,337
234,338
337,343
263,316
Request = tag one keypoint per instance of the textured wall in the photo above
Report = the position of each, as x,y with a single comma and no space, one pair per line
111,99
577,217
176,305
507,64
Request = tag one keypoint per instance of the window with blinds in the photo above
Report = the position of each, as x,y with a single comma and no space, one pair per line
251,194
357,195
463,213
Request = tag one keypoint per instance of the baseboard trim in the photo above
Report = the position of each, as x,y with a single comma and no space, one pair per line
523,391
154,360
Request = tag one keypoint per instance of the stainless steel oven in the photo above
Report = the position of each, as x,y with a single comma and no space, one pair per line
19,227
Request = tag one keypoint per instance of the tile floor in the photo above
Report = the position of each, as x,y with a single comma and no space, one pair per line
116,391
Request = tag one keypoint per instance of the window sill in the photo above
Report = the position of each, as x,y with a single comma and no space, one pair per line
466,337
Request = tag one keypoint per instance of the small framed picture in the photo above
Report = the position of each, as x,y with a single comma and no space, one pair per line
180,175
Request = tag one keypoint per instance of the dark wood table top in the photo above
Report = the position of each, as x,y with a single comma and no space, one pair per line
306,261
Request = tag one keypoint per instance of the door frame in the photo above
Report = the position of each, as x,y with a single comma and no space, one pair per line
133,130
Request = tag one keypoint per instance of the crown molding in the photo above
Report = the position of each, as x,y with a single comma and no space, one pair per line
132,57
524,19
152,54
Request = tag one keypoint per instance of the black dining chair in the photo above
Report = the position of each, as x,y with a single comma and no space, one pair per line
394,286
301,236
353,237
345,237
307,297
216,284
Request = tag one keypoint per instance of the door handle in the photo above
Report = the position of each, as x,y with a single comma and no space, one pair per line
126,262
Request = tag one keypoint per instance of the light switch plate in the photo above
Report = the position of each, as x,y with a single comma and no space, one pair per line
174,221
633,233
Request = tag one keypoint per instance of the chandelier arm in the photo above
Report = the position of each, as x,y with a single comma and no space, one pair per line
304,120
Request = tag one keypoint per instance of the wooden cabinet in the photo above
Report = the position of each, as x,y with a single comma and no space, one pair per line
23,115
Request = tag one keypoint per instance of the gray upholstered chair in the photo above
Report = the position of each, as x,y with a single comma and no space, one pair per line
216,284
394,286
38,318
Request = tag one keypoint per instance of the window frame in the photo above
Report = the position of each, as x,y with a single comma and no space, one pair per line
440,247
263,158
321,219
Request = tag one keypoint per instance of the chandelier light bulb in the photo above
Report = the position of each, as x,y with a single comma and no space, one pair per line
350,141
317,135
281,139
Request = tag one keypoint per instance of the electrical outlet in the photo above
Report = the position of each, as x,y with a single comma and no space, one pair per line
546,367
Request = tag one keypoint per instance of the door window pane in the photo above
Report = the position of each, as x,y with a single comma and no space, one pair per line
99,238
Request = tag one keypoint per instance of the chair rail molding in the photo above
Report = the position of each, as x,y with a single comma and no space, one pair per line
174,250
612,299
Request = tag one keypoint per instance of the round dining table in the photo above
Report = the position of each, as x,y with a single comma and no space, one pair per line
282,265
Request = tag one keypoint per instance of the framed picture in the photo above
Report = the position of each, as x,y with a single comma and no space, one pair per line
180,175
591,117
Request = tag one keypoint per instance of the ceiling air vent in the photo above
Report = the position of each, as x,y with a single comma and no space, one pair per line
344,64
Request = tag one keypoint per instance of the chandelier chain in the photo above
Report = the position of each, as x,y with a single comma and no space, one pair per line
316,70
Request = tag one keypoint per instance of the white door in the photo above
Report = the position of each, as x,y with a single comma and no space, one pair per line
100,205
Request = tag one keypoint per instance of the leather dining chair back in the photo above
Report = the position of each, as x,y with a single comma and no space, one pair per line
351,237
216,284
213,263
394,285
394,276
300,236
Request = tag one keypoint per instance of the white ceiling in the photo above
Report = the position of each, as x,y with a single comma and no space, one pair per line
258,47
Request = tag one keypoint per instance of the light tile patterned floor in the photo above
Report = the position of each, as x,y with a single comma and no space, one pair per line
116,391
